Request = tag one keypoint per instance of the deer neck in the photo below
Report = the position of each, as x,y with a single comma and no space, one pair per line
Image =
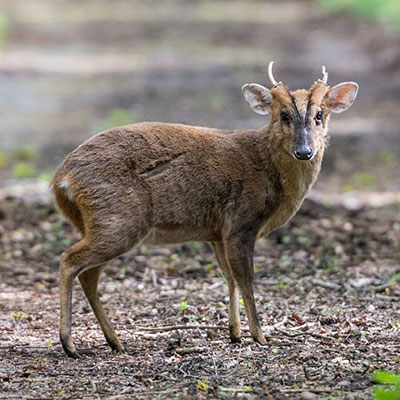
296,177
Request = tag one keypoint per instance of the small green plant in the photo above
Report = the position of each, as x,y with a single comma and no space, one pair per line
329,264
209,267
183,305
282,285
203,384
49,345
286,239
303,240
394,279
19,315
394,325
341,308
22,170
389,385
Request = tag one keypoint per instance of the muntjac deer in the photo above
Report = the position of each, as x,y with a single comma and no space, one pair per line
159,183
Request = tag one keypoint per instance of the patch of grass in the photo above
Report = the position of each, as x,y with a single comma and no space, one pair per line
363,179
118,117
22,170
387,157
386,12
26,154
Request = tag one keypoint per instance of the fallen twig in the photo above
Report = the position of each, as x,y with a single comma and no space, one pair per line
177,327
131,393
326,284
188,350
313,390
235,390
212,355
317,335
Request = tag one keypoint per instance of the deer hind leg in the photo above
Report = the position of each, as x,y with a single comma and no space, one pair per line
239,252
89,280
72,263
234,315
84,257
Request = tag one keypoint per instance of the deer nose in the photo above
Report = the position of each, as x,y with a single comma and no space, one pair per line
303,153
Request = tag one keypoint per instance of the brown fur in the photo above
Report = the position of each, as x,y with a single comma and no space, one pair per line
163,183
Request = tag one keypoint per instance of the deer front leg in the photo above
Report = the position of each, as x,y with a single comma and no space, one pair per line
234,315
239,252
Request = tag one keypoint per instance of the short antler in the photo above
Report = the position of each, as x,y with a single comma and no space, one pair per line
324,76
271,76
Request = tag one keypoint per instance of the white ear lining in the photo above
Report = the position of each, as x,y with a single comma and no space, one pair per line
258,97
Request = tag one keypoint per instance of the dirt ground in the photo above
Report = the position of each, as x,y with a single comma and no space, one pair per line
327,294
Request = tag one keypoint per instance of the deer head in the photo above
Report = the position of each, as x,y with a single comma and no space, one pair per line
299,119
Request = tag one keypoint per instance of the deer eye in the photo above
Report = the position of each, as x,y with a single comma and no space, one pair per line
284,116
318,117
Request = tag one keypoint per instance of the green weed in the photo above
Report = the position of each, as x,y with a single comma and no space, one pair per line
389,385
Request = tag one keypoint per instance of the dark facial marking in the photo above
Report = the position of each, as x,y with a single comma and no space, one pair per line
308,118
296,115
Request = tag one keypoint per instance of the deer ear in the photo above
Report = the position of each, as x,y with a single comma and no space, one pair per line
342,96
258,97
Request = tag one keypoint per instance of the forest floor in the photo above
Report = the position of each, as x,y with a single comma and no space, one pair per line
326,288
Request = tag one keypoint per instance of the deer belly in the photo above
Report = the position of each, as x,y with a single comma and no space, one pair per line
159,236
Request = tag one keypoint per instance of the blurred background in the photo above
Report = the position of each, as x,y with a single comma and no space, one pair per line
71,68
